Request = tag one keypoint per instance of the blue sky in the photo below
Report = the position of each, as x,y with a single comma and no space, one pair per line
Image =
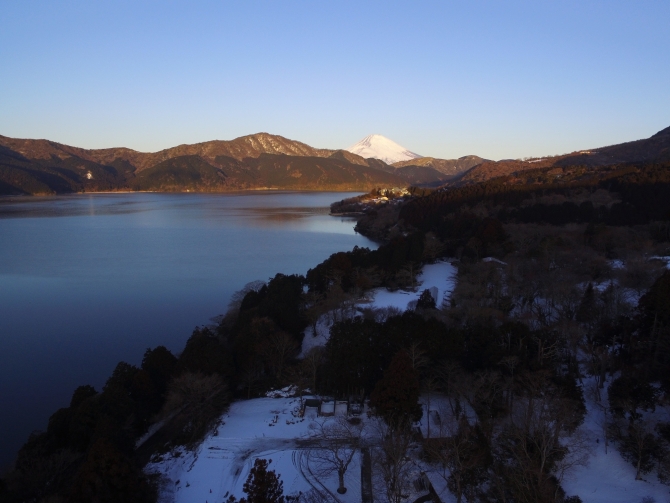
500,79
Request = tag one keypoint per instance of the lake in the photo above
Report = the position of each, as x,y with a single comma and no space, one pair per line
89,280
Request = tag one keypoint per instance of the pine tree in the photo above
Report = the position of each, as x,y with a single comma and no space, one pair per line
262,485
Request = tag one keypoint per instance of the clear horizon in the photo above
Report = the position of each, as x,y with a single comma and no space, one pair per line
441,79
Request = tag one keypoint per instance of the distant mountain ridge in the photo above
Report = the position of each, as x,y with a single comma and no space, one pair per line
449,167
263,161
250,162
240,148
254,161
654,148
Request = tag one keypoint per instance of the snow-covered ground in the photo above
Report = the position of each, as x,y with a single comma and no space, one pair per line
268,428
260,428
310,340
608,478
605,478
628,295
441,275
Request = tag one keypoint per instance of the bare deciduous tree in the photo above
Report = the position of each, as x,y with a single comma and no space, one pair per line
637,443
406,276
540,444
251,376
237,298
604,422
432,247
310,364
429,385
315,307
418,356
391,461
196,400
281,347
463,455
337,441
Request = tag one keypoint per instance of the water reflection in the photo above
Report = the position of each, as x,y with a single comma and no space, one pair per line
89,280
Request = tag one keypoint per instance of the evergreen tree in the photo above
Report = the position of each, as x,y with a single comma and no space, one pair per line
588,307
396,396
108,475
426,300
262,485
652,347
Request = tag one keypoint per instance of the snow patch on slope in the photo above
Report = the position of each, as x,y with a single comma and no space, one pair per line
608,478
380,147
441,276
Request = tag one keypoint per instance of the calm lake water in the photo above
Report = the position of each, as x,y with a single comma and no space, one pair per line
89,280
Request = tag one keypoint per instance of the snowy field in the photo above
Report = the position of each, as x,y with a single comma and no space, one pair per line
439,277
263,427
259,428
268,428
605,478
608,478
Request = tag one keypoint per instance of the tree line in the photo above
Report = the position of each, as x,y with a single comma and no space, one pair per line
509,353
90,450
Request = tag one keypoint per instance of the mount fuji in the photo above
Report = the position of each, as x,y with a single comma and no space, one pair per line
380,147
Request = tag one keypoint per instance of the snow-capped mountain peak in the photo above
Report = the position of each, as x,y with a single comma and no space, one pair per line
380,147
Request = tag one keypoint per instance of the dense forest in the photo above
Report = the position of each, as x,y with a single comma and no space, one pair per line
572,304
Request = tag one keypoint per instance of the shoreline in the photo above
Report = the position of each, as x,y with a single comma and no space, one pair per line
347,214
234,191
46,201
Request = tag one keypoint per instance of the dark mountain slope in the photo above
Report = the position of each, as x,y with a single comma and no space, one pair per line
450,167
371,162
20,175
314,173
422,175
344,155
276,171
255,161
267,171
654,148
239,148
46,150
188,172
251,146
426,171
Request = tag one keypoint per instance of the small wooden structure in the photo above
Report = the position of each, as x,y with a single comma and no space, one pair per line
310,402
327,408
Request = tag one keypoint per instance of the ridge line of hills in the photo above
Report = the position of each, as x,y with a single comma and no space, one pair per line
654,148
257,161
266,161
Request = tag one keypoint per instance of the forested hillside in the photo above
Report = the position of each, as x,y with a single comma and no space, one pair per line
259,161
654,148
555,339
262,161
